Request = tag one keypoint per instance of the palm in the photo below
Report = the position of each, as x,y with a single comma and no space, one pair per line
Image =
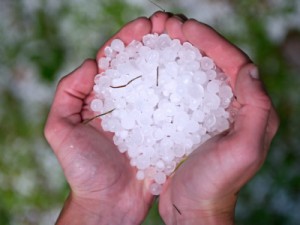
217,170
92,165
212,172
95,169
90,161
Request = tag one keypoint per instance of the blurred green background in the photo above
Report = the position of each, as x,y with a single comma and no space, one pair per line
42,40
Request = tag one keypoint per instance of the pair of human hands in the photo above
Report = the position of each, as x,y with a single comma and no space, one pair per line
204,189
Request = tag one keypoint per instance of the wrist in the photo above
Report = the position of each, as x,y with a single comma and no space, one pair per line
78,211
202,218
219,212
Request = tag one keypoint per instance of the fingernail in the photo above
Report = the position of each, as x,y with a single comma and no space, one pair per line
254,73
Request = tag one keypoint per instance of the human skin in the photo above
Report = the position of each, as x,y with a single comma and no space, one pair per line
204,189
103,186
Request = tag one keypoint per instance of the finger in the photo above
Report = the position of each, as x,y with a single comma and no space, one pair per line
174,28
226,56
72,91
273,123
69,98
181,17
134,30
272,127
158,20
252,120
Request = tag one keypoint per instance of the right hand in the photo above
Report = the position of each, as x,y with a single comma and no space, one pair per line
204,189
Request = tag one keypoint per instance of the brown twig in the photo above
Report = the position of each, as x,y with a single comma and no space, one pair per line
177,209
179,164
102,114
157,5
124,85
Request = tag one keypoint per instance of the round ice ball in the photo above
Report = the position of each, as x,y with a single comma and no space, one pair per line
162,99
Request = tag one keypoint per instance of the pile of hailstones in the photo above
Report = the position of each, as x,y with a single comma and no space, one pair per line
161,99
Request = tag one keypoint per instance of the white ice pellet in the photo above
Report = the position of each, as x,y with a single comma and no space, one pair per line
211,74
169,168
213,86
160,177
160,164
117,45
133,162
200,77
140,175
103,63
158,134
155,188
132,152
97,105
165,99
206,63
225,91
128,122
179,152
210,121
108,51
169,156
142,162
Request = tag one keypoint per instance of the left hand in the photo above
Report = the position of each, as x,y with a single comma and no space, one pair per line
102,182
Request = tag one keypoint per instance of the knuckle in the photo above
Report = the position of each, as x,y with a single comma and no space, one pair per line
62,82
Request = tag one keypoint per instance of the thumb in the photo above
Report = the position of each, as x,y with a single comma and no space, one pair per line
249,89
253,116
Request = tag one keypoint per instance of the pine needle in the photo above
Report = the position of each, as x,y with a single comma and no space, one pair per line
122,86
157,5
102,114
179,164
176,209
